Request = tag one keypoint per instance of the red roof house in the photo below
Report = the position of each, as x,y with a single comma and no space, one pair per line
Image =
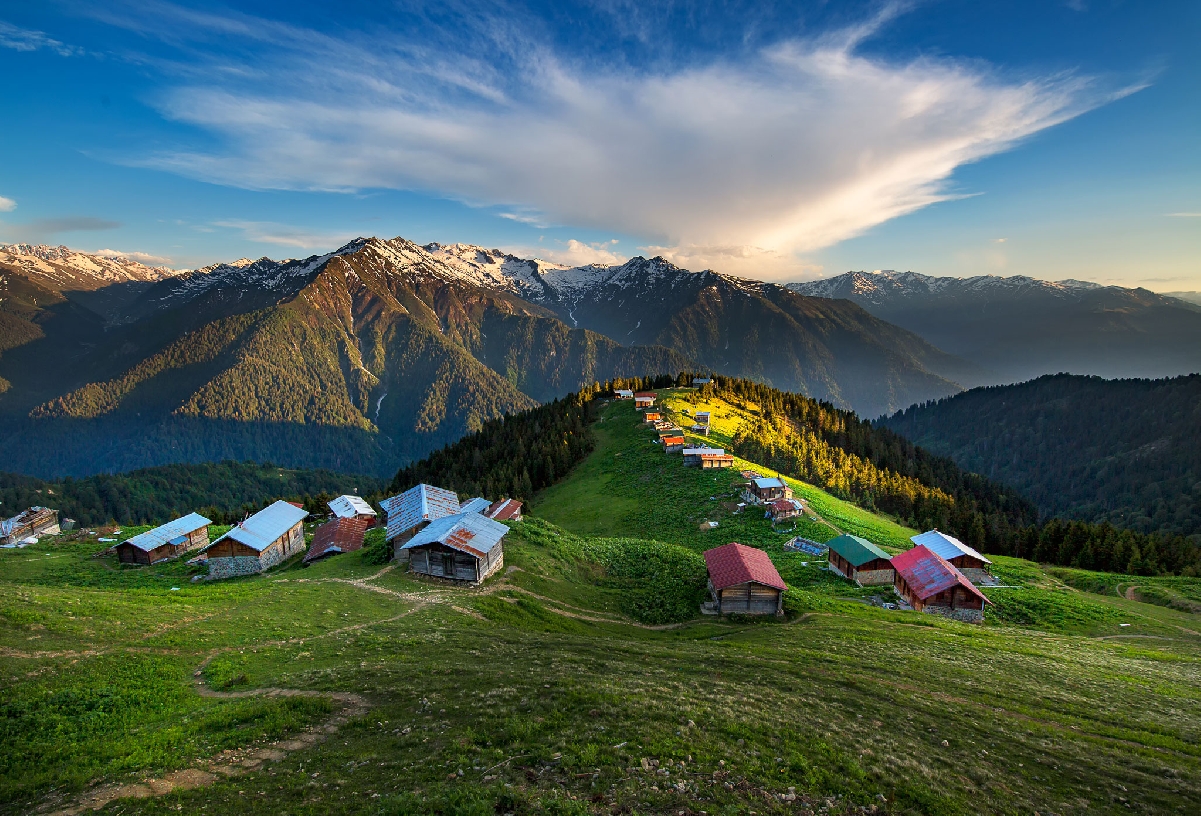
930,583
504,510
338,536
743,579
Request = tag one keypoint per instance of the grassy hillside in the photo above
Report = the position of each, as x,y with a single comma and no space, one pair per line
581,681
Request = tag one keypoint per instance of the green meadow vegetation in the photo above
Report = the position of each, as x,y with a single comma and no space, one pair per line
581,680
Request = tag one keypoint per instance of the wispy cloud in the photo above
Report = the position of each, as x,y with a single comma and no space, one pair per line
7,204
24,39
268,232
784,151
1185,215
577,253
140,257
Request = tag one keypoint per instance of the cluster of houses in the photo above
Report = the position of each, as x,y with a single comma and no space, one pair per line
671,436
937,575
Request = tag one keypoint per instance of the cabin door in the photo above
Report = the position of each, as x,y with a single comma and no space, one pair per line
448,565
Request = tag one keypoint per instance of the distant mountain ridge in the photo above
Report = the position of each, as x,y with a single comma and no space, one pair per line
1016,328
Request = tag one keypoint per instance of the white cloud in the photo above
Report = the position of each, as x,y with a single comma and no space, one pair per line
798,147
140,257
576,253
24,39
268,232
7,204
1184,215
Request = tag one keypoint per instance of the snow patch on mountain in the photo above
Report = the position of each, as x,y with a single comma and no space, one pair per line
884,285
64,269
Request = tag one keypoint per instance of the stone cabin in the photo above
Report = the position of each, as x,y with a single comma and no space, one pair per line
965,559
743,580
928,583
463,547
191,532
860,560
269,537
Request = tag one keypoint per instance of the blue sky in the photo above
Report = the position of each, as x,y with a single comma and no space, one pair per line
1054,139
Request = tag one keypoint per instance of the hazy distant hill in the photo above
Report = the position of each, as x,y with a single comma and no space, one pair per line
1018,327
1124,451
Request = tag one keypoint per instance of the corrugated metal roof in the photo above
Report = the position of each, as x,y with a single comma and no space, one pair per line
733,564
338,536
702,451
625,392
466,532
9,526
476,505
350,506
766,482
165,534
672,440
504,509
650,394
262,529
421,503
856,550
928,573
946,546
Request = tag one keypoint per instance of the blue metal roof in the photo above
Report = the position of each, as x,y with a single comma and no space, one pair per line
466,532
262,529
168,533
421,503
476,505
945,546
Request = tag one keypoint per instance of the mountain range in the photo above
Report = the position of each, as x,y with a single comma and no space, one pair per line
367,357
1017,328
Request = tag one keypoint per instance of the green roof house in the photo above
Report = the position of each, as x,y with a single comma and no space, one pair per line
860,560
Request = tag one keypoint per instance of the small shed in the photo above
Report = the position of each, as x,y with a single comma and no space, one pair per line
415,508
710,461
32,522
476,505
699,381
673,444
783,509
692,456
272,535
965,559
766,489
702,417
860,560
463,547
505,510
350,506
744,580
169,540
623,393
929,583
338,535
645,399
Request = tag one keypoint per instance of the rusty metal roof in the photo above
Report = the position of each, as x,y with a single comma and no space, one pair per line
645,394
734,563
153,539
262,529
466,532
927,573
946,546
421,503
350,506
504,509
9,526
338,536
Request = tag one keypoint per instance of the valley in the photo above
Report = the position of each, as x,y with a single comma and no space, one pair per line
576,681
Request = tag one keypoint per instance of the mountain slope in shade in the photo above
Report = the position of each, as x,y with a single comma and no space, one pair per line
829,350
1019,327
1123,451
386,349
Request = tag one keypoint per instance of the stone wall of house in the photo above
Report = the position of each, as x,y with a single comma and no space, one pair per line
234,567
880,577
965,615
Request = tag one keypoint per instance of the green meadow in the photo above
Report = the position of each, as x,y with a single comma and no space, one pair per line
582,680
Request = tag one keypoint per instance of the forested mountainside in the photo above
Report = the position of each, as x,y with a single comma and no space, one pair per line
359,360
1018,328
1123,451
223,492
830,350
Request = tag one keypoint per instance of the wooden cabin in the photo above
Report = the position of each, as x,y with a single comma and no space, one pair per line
697,382
623,393
784,509
702,417
743,580
711,461
415,508
766,489
975,566
338,535
652,417
29,523
860,560
269,537
504,510
463,547
673,444
692,456
350,506
644,399
170,540
928,583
